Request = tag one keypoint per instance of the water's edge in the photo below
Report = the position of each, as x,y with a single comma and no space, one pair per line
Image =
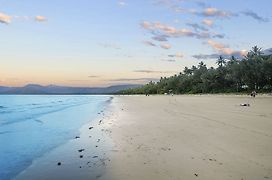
102,107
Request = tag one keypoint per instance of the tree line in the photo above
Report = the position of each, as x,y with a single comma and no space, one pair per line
252,72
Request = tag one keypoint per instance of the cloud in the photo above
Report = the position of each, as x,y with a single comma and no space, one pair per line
25,18
40,18
214,12
152,71
149,43
183,10
220,36
197,27
165,2
136,79
122,3
170,31
208,22
78,80
93,76
4,18
201,4
161,37
109,45
175,5
207,35
225,50
169,60
146,25
206,56
255,16
177,55
166,46
165,29
216,45
206,12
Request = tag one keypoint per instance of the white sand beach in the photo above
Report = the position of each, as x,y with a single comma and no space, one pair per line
170,137
191,137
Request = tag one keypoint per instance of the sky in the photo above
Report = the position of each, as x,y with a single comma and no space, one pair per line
110,42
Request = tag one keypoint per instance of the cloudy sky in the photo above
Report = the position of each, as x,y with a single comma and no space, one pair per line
106,42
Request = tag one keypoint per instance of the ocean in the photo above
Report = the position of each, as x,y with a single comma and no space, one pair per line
32,125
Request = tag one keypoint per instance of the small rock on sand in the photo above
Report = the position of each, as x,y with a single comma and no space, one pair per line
80,150
245,104
98,176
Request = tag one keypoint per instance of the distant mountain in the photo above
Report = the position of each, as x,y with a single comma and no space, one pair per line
4,89
267,52
53,89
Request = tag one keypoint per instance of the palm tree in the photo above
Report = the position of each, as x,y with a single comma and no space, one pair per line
187,71
221,61
255,51
201,64
232,60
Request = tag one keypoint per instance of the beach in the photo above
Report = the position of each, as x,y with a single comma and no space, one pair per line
168,137
192,137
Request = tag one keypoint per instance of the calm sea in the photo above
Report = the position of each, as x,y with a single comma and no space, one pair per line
31,125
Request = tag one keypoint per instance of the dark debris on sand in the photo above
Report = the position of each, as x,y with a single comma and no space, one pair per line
245,104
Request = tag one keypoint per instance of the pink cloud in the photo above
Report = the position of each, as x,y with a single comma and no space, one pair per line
4,18
215,12
149,43
40,18
166,46
208,22
224,49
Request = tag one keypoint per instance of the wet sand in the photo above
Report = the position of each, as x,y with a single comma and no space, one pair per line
163,137
83,157
191,137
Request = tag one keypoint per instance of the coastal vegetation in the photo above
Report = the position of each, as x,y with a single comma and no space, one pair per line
252,72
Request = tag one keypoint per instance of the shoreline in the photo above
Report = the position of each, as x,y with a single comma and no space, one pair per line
169,137
71,154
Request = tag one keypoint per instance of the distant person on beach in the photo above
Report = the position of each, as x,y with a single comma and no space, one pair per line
253,94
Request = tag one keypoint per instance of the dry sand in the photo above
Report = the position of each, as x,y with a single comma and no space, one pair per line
191,137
